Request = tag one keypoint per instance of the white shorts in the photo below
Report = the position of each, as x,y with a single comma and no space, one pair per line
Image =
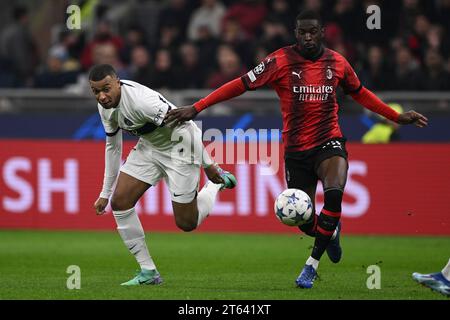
176,166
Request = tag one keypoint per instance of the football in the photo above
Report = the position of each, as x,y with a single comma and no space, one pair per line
293,207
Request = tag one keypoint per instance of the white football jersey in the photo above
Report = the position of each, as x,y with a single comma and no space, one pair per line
141,112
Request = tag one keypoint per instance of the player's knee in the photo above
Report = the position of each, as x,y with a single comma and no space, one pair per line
186,225
120,202
333,199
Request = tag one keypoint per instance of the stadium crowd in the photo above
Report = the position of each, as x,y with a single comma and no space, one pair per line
181,44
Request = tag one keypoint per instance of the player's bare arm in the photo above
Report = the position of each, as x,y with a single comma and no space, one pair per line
107,92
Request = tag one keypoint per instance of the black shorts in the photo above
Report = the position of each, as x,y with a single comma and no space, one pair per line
301,167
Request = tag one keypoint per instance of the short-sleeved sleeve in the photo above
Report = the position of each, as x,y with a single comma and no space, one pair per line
263,74
350,82
153,108
109,121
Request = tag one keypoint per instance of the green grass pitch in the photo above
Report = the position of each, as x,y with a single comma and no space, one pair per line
33,265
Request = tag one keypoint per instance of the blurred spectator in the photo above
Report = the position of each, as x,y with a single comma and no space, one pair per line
436,39
18,50
208,15
234,36
207,46
192,73
141,69
67,49
334,39
230,67
350,17
8,78
103,36
275,35
434,77
53,75
170,37
406,76
107,53
282,12
375,71
417,39
443,14
163,75
407,16
177,13
134,37
388,19
313,5
249,14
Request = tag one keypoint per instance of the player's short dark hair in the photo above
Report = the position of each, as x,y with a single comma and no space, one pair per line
308,15
100,71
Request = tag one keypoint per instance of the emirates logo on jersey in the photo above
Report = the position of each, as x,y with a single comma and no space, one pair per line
313,93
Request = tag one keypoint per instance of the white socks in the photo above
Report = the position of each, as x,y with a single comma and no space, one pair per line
132,233
205,200
446,271
313,262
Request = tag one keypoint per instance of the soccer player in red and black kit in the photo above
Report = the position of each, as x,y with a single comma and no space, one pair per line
305,77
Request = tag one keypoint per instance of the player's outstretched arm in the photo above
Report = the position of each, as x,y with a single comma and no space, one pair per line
228,91
370,101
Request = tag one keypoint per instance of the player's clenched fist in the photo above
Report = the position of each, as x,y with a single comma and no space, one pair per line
100,205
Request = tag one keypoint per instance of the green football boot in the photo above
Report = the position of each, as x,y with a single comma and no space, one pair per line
144,277
217,175
229,179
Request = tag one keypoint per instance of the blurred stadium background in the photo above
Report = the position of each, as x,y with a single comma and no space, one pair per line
51,137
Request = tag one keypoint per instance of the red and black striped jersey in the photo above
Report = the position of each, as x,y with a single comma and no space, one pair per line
307,92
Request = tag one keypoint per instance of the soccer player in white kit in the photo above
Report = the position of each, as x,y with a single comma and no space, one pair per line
164,151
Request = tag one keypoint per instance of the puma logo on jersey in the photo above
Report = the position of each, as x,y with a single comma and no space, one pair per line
297,74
